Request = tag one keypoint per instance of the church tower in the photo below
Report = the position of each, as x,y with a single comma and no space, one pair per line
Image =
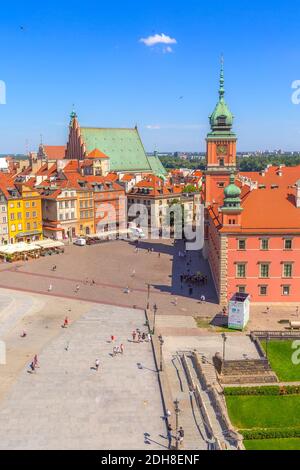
220,149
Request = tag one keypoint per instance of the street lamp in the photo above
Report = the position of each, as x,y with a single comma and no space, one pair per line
177,411
161,342
148,296
224,342
155,308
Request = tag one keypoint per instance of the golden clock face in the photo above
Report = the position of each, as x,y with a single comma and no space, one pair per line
221,149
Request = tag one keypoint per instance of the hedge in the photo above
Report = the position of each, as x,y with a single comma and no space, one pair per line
263,390
275,433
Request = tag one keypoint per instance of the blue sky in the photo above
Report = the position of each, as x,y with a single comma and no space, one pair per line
89,53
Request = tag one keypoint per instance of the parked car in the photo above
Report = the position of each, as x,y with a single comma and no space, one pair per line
80,242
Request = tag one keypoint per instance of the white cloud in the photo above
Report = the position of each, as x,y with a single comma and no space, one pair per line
175,126
158,39
167,50
152,127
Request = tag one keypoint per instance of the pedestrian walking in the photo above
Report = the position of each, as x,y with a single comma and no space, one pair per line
139,337
121,348
32,367
77,289
67,346
35,361
149,337
169,431
175,301
54,268
133,273
115,351
133,336
23,334
202,298
143,336
97,364
66,322
190,291
50,288
159,254
180,435
113,338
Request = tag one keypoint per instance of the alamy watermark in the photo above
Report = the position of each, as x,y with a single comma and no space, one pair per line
296,353
296,94
153,221
2,92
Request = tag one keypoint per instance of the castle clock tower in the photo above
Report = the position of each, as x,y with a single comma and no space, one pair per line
220,149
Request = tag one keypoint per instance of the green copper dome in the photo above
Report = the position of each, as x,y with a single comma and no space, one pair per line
221,118
232,191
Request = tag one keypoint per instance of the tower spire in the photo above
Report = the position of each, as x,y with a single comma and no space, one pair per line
221,87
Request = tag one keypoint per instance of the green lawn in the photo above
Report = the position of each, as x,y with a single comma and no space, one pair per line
273,444
280,357
248,412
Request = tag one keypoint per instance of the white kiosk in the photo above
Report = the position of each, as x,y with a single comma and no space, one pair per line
238,311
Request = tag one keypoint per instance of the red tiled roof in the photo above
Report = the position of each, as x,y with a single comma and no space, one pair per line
55,152
96,153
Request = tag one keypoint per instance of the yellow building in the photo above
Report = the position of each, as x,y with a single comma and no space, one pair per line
24,210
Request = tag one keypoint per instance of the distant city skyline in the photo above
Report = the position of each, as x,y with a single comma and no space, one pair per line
159,70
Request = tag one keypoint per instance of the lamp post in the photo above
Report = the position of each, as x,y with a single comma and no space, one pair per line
224,342
177,411
148,295
155,308
161,342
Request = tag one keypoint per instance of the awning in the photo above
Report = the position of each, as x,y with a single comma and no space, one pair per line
48,243
21,247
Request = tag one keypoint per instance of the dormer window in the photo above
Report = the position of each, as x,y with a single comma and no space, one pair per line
221,120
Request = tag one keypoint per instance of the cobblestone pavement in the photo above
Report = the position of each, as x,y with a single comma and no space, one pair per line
67,404
114,266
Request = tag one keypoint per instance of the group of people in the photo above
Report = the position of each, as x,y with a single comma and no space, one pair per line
138,336
34,364
197,278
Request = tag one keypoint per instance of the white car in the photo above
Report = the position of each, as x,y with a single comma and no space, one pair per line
80,241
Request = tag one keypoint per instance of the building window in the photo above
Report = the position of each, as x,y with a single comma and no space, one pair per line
288,244
242,244
34,225
12,205
13,228
264,244
241,270
221,185
4,220
27,215
241,289
3,208
34,214
19,226
18,204
19,215
12,216
27,204
33,204
263,290
286,290
28,226
287,270
264,269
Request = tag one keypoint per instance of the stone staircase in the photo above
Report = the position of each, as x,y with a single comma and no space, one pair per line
218,437
244,371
